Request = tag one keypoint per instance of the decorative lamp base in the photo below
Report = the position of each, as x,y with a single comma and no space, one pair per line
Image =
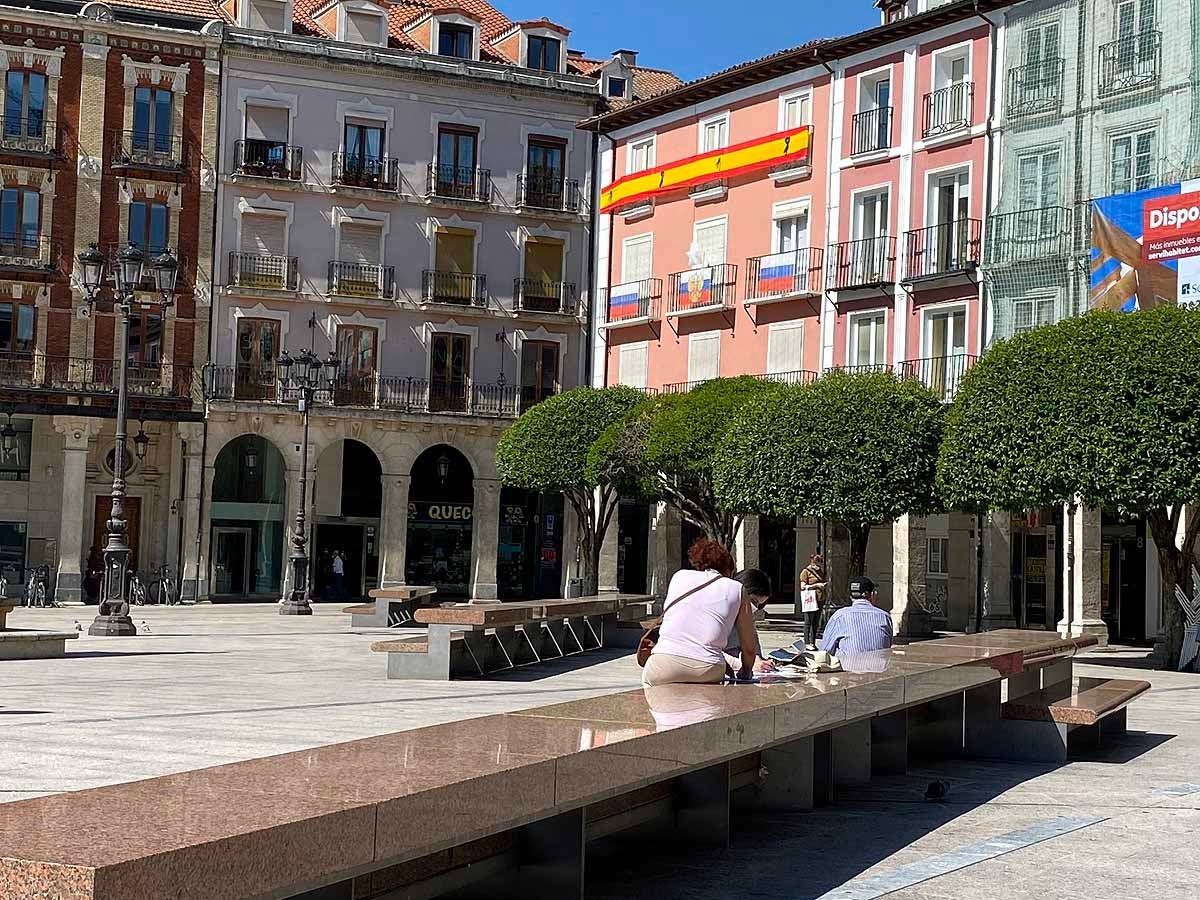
292,607
112,626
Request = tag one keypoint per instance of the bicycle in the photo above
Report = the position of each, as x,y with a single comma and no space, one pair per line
162,588
137,590
35,594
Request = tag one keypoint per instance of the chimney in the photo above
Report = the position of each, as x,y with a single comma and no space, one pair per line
627,57
575,54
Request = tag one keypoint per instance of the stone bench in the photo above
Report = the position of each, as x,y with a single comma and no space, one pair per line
1069,713
18,643
481,638
502,805
390,607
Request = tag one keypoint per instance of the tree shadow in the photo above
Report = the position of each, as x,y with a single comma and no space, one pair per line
101,654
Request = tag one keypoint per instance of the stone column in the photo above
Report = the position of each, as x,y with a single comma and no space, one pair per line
485,533
393,538
962,566
192,433
1081,611
997,571
664,548
910,551
746,544
608,553
77,434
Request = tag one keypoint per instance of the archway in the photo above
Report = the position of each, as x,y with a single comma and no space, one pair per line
440,502
348,501
248,510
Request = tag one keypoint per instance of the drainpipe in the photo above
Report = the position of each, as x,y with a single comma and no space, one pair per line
593,172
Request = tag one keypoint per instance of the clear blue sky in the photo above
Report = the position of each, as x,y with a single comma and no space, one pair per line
695,37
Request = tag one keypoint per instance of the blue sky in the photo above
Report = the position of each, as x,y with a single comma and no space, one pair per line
695,37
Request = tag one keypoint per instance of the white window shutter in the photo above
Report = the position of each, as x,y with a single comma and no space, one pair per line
704,356
359,244
633,365
785,347
636,263
263,235
710,241
267,123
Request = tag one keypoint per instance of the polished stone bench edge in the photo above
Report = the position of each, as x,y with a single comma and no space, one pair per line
29,634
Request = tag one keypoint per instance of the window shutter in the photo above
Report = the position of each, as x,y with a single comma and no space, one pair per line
633,365
455,252
636,264
785,347
267,123
704,356
710,241
544,260
362,28
264,235
359,244
266,15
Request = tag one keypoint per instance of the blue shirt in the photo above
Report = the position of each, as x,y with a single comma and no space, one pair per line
857,628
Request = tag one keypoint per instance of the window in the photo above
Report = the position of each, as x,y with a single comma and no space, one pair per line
945,245
870,215
20,222
263,234
544,161
449,372
359,242
148,225
267,123
795,110
704,356
24,103
152,119
1133,162
14,466
872,124
632,364
714,133
254,366
456,161
356,346
868,340
946,333
636,258
364,146
789,229
1032,313
640,155
542,53
265,15
617,87
1038,189
785,347
939,556
145,339
949,107
262,248
454,266
1040,51
362,28
708,240
16,331
1134,17
455,40
539,372
542,288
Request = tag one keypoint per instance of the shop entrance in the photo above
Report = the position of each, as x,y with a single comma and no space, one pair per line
777,556
247,519
633,541
1123,579
440,506
231,550
1030,596
349,505
529,554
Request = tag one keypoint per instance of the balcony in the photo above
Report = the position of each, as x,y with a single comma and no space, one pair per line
799,376
869,262
146,150
538,189
79,375
455,288
357,279
947,110
28,253
268,159
1035,89
941,374
938,251
267,273
1130,63
541,295
785,276
862,369
871,131
374,173
28,135
459,183
703,290
632,303
1029,234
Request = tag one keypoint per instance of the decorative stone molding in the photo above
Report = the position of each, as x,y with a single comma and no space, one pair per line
78,430
31,57
155,73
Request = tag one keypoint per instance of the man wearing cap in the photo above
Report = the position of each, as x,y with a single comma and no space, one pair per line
860,627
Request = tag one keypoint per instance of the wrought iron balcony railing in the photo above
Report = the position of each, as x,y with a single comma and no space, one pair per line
1035,88
146,150
357,279
541,295
862,368
871,130
863,263
633,302
458,288
1130,63
31,134
943,249
941,374
705,289
27,251
947,109
547,189
74,375
376,173
459,183
1028,234
798,376
781,275
268,159
274,273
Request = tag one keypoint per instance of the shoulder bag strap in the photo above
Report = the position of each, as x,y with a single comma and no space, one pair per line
694,590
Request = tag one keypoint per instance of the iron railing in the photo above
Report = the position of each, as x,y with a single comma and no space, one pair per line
863,263
30,134
941,374
25,251
276,273
863,369
777,275
705,288
633,301
1130,63
459,288
797,376
871,130
947,109
547,189
268,159
84,375
1035,88
459,183
542,295
146,150
942,249
357,279
1029,234
377,173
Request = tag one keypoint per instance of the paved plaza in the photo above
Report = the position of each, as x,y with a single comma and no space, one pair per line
215,684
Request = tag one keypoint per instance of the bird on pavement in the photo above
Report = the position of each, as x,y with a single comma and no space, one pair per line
937,791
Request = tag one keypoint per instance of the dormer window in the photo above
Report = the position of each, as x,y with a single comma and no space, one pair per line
543,53
362,26
267,15
617,87
456,40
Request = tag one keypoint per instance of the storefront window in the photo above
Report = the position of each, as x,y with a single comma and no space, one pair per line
14,461
249,499
529,554
440,509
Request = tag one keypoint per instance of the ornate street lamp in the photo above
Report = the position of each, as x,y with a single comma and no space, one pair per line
305,379
141,441
127,267
8,437
251,458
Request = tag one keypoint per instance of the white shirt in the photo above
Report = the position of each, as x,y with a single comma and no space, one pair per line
697,627
339,567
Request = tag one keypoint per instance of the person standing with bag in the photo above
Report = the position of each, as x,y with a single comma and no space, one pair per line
812,597
703,605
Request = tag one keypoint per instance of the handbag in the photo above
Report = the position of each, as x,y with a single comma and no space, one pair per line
808,600
650,636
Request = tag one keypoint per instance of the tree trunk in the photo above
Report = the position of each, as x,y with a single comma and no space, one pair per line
1173,564
859,534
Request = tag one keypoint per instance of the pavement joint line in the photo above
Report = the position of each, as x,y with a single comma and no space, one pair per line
910,875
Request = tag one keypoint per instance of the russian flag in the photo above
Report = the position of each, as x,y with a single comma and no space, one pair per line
695,288
777,273
625,302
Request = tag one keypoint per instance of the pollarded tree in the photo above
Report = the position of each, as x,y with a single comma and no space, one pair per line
856,449
547,451
1104,408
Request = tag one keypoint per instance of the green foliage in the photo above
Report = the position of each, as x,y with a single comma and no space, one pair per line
858,449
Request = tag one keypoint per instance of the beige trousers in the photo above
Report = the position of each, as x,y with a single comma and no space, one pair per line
663,668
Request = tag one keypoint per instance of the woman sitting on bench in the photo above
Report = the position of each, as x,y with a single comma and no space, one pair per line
703,605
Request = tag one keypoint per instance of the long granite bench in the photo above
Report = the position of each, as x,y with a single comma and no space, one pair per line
20,643
505,805
389,607
1070,712
480,638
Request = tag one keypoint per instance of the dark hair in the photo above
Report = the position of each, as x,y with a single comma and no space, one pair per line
705,553
755,581
817,558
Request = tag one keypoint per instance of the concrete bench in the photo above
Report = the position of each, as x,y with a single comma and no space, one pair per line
17,643
1070,713
389,607
478,639
504,805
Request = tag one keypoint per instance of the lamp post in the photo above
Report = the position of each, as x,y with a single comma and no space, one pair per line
304,379
128,266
